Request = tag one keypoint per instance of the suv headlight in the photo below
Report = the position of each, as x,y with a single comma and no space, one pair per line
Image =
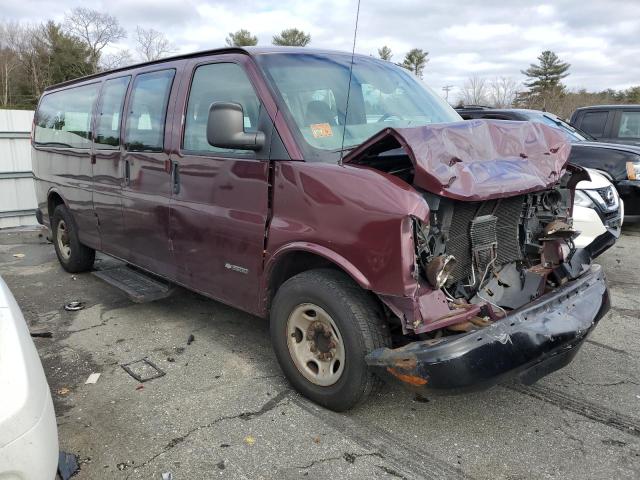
583,200
633,170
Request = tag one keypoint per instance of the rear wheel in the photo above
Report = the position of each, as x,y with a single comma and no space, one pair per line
322,327
72,255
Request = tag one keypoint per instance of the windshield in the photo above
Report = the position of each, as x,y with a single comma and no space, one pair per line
572,133
314,88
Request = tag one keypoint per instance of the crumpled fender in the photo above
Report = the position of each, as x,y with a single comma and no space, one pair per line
477,159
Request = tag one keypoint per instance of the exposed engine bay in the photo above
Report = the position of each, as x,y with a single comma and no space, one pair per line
504,252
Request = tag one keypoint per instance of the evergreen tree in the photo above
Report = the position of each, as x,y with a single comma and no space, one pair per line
292,37
67,57
415,60
241,38
385,53
545,77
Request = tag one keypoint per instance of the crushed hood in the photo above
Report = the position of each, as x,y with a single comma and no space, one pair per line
475,159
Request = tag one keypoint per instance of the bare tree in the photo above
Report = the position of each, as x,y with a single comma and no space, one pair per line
95,28
120,58
152,44
474,91
502,92
9,58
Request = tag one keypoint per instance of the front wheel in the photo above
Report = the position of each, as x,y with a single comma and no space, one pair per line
72,255
322,327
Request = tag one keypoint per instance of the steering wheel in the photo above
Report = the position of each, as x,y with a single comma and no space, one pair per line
388,115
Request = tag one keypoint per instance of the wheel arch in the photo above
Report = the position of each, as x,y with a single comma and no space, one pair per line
296,258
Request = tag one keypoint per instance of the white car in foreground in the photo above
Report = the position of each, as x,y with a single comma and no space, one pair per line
597,209
28,431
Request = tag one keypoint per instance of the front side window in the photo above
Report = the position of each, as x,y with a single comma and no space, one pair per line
594,122
63,118
314,89
110,113
218,82
629,125
148,111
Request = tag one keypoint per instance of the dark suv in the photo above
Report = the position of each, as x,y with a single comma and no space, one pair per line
620,163
610,123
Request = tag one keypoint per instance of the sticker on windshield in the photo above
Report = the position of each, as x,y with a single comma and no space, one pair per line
321,130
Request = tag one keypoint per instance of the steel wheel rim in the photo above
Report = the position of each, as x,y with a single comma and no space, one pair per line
62,236
315,344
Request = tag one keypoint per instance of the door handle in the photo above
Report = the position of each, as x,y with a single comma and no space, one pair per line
93,158
175,177
127,173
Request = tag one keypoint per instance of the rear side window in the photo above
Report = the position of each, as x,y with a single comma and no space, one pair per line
218,82
109,114
629,125
63,118
148,110
594,122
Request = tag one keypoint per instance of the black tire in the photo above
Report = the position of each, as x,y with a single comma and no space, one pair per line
359,320
76,257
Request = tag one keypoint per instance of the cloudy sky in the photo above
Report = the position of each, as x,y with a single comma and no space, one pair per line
488,38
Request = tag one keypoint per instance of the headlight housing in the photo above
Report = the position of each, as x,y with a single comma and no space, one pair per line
583,200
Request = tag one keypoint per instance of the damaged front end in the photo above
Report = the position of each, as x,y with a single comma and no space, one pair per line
502,291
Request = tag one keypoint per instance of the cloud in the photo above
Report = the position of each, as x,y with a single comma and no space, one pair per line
464,37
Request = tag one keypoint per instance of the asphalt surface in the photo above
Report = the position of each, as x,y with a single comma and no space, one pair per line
224,410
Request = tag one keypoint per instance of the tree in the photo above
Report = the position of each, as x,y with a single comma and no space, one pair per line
292,37
502,92
474,91
415,60
385,53
152,44
241,38
95,28
66,57
9,59
545,79
120,58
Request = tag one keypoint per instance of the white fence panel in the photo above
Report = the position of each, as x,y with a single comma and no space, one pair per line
17,190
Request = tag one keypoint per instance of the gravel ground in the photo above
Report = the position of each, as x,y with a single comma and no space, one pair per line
223,409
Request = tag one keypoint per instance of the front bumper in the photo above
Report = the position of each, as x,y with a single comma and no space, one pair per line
527,344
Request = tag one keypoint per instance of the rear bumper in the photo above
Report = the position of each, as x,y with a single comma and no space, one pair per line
527,344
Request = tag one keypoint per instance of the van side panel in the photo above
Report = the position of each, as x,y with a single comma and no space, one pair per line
67,171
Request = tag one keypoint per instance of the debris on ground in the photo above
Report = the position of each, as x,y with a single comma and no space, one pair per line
143,370
249,440
18,255
140,387
67,465
420,399
63,391
74,306
40,333
122,466
93,378
191,339
221,465
167,476
171,359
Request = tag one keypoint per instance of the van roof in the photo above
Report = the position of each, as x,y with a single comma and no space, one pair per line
251,51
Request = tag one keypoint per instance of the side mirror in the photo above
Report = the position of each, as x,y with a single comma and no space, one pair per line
225,128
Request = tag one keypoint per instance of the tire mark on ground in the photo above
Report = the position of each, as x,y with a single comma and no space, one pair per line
592,411
407,462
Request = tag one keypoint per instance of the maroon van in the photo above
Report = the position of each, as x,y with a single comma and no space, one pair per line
340,198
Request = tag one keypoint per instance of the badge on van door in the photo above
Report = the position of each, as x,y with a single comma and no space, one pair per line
236,268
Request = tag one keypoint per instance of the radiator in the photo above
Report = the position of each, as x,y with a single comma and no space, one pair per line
491,221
